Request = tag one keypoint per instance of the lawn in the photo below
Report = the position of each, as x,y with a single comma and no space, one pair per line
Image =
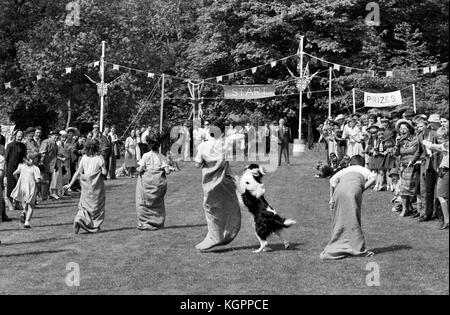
412,258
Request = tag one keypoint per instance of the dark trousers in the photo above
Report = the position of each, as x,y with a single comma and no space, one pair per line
428,180
2,202
283,149
73,169
45,184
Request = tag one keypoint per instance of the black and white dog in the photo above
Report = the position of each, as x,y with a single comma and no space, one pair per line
267,221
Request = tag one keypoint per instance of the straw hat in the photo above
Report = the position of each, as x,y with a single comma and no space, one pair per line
404,121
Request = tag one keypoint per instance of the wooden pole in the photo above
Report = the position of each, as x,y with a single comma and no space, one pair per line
354,101
329,91
301,92
102,84
162,109
414,98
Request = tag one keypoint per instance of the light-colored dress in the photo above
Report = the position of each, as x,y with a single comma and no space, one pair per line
91,207
347,238
354,146
151,187
25,190
130,152
220,202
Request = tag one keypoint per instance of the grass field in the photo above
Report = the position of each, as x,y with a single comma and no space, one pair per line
413,258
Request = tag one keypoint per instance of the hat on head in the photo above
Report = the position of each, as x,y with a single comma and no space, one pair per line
373,129
434,118
74,130
404,121
30,130
54,132
384,119
339,117
409,113
393,171
63,133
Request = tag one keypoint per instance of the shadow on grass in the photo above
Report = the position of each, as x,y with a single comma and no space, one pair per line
34,253
273,248
37,226
183,226
114,230
388,249
54,239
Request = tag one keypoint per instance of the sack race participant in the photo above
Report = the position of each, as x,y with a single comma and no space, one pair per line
91,207
151,187
346,190
220,202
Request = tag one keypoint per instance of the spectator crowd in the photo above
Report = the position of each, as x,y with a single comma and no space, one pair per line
408,153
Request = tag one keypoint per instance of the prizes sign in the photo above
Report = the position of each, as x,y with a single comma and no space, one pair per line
247,92
382,99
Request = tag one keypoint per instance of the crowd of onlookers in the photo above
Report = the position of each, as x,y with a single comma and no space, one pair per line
50,163
409,153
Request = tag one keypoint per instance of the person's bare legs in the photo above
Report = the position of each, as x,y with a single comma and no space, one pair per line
444,208
29,214
405,206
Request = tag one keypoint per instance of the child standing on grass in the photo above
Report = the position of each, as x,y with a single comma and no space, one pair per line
397,200
29,176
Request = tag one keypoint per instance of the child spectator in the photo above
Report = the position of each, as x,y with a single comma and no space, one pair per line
397,200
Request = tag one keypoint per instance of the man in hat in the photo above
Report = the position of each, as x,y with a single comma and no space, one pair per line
48,154
429,165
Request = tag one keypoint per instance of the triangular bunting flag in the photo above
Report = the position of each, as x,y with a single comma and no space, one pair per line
7,85
38,77
433,69
68,70
219,79
150,75
254,69
389,74
97,63
337,67
116,67
426,70
273,64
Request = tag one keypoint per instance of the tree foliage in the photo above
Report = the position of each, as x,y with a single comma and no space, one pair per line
204,39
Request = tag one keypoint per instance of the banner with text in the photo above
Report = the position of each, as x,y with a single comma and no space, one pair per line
382,99
247,92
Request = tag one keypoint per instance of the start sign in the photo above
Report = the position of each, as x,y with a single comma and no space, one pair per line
246,92
382,99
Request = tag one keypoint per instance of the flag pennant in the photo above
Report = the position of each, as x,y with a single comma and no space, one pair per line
254,69
116,67
7,85
219,79
433,69
426,70
150,75
273,64
68,70
336,67
389,74
97,63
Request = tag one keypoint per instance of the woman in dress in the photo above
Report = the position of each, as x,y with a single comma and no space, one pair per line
138,144
130,153
346,192
15,154
353,137
151,187
406,146
220,201
91,207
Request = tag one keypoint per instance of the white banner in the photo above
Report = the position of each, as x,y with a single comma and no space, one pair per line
382,99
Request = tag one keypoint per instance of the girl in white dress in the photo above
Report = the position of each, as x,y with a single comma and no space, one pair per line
130,153
29,176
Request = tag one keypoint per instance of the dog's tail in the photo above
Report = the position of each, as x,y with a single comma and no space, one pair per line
289,222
